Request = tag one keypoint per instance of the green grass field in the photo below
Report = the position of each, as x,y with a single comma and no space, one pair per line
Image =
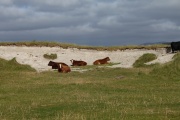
142,93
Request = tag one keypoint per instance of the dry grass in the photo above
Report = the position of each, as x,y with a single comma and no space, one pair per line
67,45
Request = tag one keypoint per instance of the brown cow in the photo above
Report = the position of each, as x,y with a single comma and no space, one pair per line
63,68
78,63
101,61
55,65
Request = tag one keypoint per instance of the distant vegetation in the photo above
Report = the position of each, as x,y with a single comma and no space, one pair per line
102,93
66,45
50,56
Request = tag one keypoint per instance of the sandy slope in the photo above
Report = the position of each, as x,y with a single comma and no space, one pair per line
33,56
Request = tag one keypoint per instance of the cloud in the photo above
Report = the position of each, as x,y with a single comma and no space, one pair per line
94,22
5,2
165,26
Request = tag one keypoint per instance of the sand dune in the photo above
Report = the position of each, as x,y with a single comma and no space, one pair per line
33,56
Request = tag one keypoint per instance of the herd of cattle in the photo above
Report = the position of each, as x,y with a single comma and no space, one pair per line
64,68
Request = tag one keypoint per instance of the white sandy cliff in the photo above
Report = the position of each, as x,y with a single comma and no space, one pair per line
33,56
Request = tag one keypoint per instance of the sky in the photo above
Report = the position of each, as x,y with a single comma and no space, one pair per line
90,22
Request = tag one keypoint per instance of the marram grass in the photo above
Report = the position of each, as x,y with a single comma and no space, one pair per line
69,45
140,62
99,94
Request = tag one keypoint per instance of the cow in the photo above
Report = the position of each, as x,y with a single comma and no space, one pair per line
78,63
101,61
175,46
63,68
55,65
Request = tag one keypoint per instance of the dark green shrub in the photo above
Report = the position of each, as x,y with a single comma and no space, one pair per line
50,56
144,59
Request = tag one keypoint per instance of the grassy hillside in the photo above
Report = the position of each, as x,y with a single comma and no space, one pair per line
169,71
68,45
145,93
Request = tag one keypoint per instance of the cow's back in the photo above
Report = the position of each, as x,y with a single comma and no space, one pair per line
175,46
78,63
101,61
64,68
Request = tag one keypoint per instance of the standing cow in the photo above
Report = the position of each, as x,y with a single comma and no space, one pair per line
175,46
101,61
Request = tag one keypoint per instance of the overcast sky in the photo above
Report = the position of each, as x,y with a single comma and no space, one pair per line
90,22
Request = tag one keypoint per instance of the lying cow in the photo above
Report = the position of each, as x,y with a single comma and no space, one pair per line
101,61
55,65
175,46
78,63
63,68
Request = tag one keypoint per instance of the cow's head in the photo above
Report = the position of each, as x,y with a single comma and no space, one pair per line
51,63
107,58
71,60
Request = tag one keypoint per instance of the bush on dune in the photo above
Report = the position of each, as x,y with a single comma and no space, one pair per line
144,59
13,65
50,56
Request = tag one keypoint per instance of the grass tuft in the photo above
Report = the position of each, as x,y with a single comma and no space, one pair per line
50,56
13,65
144,59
